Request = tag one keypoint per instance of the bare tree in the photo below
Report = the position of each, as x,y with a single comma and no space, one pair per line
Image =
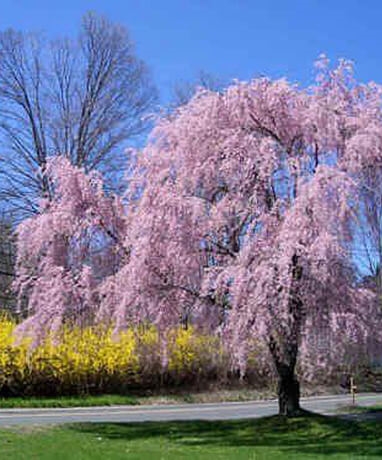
183,91
368,247
82,98
7,263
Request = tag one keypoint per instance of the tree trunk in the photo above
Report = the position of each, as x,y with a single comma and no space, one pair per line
289,395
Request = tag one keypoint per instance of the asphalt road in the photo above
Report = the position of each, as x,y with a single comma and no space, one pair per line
219,411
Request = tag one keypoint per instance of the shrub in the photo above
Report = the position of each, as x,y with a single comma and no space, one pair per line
93,360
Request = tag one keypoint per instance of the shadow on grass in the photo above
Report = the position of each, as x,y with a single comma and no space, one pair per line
309,434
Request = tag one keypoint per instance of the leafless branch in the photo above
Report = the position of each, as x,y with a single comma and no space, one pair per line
82,98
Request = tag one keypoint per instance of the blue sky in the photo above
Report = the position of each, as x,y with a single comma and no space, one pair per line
230,39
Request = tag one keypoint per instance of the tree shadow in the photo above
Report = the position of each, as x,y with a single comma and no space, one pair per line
308,434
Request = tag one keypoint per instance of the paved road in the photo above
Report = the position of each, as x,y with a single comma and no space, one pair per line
220,411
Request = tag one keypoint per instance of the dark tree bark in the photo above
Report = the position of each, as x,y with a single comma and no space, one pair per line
288,385
289,393
284,352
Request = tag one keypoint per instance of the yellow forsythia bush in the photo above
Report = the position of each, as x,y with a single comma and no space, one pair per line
192,353
93,360
13,359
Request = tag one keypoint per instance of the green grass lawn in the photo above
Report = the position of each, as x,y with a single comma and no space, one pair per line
308,437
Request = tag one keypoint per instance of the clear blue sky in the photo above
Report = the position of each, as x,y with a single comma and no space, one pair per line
228,38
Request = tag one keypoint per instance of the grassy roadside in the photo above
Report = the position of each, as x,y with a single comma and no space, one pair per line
67,401
110,400
360,409
210,396
270,438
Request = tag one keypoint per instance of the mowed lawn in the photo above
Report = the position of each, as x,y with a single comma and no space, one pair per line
308,437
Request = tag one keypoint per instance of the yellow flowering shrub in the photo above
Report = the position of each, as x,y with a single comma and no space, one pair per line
13,359
85,359
192,354
93,359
